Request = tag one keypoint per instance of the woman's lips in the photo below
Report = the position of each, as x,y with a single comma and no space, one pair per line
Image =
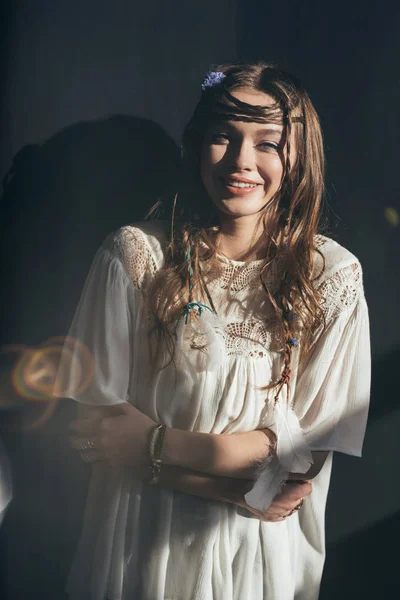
239,191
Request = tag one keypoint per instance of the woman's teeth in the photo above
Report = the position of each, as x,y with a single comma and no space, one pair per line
241,184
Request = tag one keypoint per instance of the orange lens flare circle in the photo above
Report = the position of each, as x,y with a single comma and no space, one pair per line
38,375
31,376
77,367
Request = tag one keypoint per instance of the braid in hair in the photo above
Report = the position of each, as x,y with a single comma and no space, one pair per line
189,262
290,341
193,274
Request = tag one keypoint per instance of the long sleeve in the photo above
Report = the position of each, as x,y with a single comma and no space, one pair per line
95,366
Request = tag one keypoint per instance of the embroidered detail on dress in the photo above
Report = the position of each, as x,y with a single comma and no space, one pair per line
252,338
135,254
247,337
241,277
237,277
320,240
341,290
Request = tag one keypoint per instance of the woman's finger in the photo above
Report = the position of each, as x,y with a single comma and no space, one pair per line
283,507
84,443
293,492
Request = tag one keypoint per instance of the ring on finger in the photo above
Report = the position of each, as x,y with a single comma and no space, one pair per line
88,445
297,507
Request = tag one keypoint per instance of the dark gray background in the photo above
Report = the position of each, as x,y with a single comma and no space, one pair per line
105,89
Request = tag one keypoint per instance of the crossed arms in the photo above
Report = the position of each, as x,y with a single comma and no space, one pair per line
217,467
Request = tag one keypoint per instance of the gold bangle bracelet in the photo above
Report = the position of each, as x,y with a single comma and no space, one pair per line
155,449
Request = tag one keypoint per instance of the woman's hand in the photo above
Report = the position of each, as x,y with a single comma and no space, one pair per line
116,435
284,503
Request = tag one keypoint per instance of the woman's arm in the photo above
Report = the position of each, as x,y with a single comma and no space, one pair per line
226,489
210,487
236,455
120,436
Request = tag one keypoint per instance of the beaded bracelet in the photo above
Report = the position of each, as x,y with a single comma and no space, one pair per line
155,448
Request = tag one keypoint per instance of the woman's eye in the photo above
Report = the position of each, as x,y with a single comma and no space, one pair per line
268,145
219,138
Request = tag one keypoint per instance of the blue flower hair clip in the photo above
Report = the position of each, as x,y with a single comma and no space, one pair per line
212,79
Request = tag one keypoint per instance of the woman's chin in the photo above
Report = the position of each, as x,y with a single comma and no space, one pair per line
235,210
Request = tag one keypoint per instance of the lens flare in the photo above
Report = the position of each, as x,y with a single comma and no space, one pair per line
28,373
76,369
57,368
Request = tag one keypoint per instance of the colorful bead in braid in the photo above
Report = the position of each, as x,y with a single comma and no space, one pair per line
192,261
290,343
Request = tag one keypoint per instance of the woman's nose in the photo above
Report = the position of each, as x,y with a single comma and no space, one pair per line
242,156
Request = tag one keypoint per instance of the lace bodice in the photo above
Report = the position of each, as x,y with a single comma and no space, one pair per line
239,298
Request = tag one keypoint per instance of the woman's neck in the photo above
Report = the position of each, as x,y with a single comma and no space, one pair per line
241,238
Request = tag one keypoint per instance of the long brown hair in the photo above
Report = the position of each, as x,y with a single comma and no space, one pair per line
290,233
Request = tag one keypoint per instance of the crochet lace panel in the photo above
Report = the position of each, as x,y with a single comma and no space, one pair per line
341,291
256,335
320,240
237,277
135,254
251,338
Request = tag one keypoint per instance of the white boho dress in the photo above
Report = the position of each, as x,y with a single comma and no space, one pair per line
141,542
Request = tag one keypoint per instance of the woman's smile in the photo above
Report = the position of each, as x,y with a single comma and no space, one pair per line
239,186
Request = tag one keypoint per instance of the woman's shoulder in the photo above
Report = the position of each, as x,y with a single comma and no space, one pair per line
337,274
140,246
331,258
143,237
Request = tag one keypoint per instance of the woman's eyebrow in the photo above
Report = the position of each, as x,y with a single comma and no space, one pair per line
269,131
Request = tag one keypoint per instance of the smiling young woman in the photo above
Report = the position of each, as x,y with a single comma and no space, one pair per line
242,160
231,356
242,168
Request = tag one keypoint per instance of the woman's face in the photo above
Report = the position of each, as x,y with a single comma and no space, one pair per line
242,164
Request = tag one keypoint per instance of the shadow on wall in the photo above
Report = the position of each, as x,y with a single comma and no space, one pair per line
60,199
